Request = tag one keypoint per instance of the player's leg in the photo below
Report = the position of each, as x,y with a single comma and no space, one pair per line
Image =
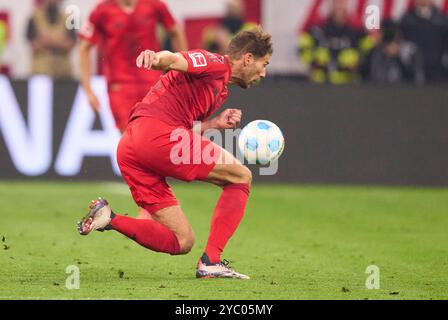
235,180
169,231
174,219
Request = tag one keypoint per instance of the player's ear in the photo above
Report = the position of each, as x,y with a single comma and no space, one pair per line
248,58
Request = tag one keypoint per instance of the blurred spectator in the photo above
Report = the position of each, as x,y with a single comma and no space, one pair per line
122,29
334,51
216,39
393,60
426,26
51,41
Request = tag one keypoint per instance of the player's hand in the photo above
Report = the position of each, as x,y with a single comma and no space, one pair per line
229,119
147,59
93,101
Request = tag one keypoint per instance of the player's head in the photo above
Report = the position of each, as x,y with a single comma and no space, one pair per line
339,11
249,52
235,8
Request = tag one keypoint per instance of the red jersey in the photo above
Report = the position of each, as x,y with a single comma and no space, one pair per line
121,37
180,98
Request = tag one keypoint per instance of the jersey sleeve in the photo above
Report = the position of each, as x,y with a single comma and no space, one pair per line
165,16
92,28
203,63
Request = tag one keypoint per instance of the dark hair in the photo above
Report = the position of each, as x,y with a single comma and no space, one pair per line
254,41
389,31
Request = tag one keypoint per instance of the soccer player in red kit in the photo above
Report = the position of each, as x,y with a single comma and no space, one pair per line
192,90
122,29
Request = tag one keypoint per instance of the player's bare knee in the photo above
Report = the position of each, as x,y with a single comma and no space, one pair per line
238,174
247,175
244,175
186,242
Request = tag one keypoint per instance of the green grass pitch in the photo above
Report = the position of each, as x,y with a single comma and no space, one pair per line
296,242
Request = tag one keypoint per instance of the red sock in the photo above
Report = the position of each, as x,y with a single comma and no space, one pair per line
148,233
227,216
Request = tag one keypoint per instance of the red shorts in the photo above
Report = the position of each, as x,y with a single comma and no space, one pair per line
122,97
151,150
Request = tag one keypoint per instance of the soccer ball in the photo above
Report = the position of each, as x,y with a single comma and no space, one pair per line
261,142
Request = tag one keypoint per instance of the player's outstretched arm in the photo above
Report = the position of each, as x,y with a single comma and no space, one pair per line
163,60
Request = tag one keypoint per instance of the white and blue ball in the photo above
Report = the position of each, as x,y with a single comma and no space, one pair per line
261,142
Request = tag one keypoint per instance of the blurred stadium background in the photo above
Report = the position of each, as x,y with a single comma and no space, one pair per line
358,107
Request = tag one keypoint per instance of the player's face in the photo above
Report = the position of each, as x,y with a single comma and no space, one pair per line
255,70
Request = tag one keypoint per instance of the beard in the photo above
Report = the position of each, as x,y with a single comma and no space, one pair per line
240,83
